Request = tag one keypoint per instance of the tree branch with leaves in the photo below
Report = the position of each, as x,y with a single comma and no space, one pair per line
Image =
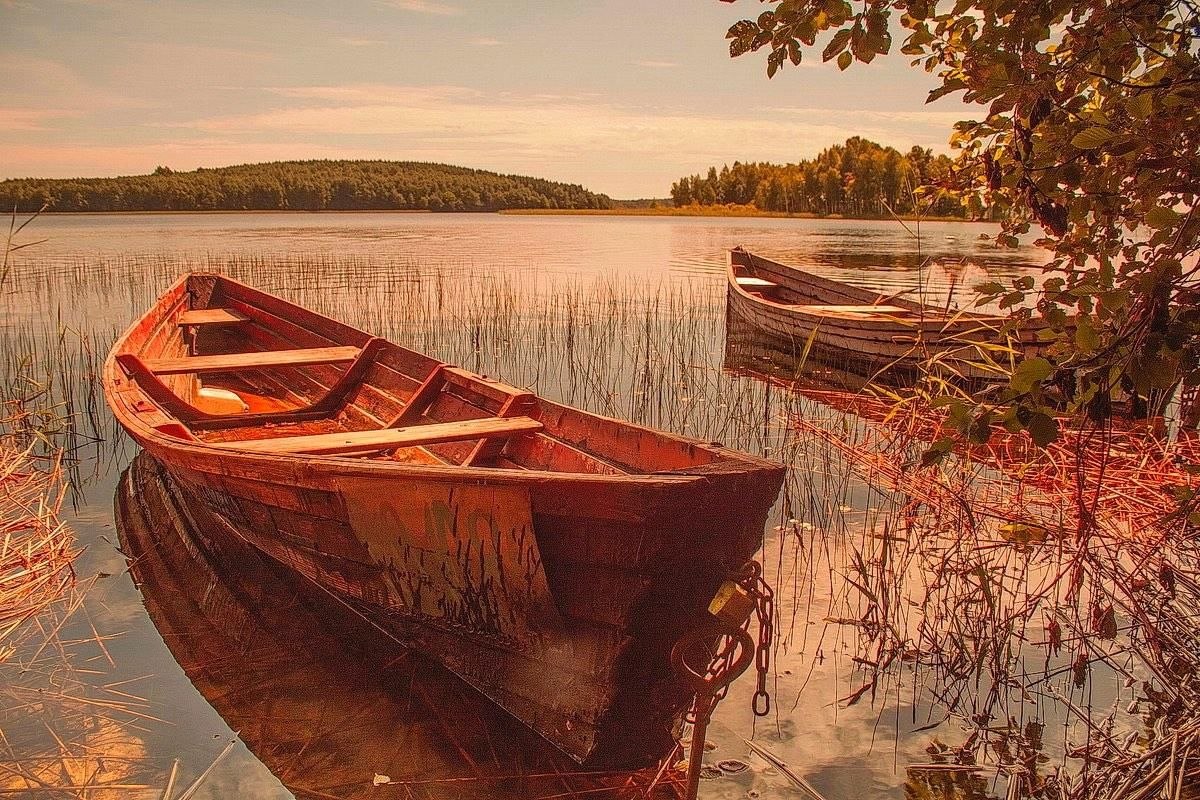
1089,133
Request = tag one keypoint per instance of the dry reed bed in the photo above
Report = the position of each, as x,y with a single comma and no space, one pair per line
59,737
36,549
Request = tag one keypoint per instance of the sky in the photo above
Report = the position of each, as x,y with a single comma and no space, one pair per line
622,96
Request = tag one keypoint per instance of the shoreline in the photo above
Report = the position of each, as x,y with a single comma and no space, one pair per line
720,211
662,211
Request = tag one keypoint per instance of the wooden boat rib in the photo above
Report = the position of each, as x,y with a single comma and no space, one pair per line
858,328
549,556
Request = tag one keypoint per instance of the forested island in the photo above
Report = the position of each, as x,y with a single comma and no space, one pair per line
857,179
301,186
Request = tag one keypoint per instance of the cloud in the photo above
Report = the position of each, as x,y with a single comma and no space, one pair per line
375,94
652,64
355,41
426,7
622,149
31,119
95,159
36,82
941,118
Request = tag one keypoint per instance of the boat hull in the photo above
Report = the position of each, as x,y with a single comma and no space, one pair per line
315,693
565,617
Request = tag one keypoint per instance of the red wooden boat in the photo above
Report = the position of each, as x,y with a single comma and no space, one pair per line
549,556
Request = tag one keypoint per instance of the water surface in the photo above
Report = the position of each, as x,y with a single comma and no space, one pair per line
621,315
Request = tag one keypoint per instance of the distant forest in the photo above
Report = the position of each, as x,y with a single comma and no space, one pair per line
302,186
857,179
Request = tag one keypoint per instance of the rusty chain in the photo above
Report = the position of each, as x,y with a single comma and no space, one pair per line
751,579
735,650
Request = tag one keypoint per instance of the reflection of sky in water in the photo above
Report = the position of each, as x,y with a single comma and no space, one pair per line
645,246
846,752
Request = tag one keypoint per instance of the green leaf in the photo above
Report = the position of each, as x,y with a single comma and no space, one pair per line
774,62
844,60
1086,338
1161,217
1043,428
1091,138
936,452
980,431
1156,371
952,85
959,417
1030,372
1140,106
836,45
1114,300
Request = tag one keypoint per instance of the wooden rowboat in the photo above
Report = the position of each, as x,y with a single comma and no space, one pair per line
549,556
865,331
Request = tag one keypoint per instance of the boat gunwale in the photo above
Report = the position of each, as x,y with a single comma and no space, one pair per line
726,460
876,320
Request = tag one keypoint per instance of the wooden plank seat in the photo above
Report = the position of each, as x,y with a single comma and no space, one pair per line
182,410
264,358
747,282
387,438
211,316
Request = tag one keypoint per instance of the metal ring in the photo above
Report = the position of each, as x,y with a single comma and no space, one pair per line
700,681
765,697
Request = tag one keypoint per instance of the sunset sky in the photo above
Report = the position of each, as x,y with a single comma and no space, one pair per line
623,96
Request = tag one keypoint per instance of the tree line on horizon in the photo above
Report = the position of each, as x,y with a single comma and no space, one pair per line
301,186
857,179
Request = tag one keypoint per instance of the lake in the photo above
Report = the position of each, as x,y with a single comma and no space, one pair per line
620,315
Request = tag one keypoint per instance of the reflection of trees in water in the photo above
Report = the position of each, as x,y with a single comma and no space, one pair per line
945,785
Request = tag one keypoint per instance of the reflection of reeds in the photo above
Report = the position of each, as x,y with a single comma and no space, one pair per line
61,737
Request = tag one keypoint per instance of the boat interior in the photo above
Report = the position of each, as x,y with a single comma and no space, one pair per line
222,364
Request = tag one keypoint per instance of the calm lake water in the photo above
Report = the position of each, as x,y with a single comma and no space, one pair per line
621,315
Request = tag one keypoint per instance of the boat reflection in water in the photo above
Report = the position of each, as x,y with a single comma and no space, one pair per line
322,699
787,361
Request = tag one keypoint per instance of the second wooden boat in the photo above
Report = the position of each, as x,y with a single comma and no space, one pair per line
549,556
854,328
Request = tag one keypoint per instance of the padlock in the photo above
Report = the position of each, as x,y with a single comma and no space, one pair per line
732,605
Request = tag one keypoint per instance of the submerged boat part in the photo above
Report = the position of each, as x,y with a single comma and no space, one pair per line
320,701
